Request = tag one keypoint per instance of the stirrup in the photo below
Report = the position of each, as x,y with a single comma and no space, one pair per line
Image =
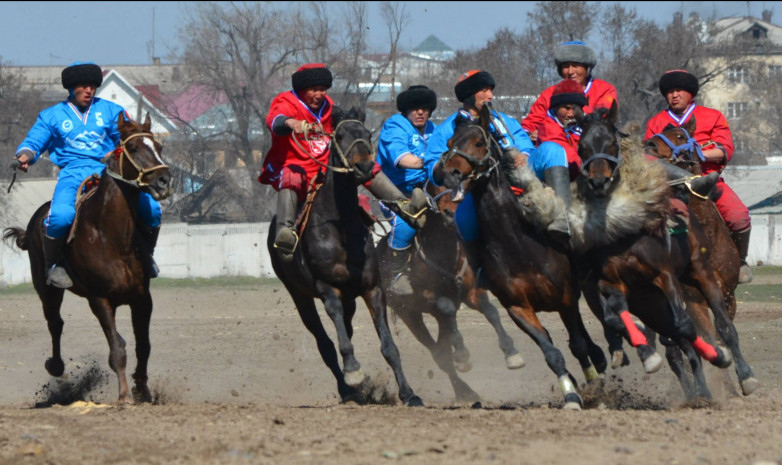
401,285
745,273
57,276
286,241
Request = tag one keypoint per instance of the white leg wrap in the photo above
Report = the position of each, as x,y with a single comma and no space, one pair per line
566,385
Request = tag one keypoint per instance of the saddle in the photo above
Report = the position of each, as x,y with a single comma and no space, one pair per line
86,189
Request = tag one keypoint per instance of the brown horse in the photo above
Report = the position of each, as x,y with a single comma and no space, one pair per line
106,258
336,261
676,146
631,269
524,268
443,280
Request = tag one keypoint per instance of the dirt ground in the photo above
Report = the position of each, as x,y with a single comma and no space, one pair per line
238,380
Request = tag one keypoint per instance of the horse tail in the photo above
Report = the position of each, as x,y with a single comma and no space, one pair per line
16,233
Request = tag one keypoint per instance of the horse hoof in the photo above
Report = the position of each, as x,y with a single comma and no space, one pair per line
463,367
724,358
141,395
619,359
55,367
573,401
653,363
354,378
749,385
514,362
414,401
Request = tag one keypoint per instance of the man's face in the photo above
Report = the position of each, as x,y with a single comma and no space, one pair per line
574,71
678,99
482,96
83,94
419,117
313,97
566,114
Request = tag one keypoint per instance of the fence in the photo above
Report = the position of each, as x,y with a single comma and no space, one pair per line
207,251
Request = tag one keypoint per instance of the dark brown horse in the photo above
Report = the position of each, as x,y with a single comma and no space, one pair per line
676,145
632,270
443,280
526,270
106,258
336,261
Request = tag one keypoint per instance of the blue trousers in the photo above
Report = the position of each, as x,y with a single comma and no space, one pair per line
547,155
63,207
402,234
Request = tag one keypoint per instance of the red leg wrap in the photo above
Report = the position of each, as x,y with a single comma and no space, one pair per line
706,350
637,338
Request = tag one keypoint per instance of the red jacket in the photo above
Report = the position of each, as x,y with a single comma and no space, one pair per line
284,151
551,131
710,125
599,94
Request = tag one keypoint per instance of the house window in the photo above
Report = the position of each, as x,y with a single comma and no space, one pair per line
736,110
738,75
775,71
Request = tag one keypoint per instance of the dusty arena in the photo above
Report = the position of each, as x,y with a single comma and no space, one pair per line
238,380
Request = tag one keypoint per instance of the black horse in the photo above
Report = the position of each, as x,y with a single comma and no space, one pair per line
106,257
443,280
336,261
525,270
623,246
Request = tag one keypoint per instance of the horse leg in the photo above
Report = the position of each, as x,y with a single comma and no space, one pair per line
701,388
309,316
331,301
51,298
674,356
118,359
617,316
513,359
618,356
581,345
376,302
445,313
526,319
141,314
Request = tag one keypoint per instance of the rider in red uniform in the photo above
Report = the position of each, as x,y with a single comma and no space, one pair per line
712,133
288,169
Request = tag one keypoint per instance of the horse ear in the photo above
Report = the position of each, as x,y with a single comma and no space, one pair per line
360,114
690,126
337,114
147,124
485,117
613,114
121,121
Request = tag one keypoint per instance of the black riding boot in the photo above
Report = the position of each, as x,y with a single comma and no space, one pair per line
558,178
701,185
742,242
412,210
400,283
286,239
56,275
149,236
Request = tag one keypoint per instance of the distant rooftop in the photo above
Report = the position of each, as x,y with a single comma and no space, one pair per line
433,48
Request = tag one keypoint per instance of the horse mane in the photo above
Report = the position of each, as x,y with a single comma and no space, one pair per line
639,202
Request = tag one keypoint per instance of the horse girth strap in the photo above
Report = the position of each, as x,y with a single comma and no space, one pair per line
303,217
122,152
87,189
318,129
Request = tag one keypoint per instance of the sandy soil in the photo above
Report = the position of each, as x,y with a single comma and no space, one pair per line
238,380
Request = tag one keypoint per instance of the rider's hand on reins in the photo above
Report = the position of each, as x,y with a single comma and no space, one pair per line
19,164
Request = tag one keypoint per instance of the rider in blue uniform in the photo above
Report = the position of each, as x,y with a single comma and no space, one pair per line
401,149
78,133
548,162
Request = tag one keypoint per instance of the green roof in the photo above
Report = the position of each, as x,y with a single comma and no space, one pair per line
432,44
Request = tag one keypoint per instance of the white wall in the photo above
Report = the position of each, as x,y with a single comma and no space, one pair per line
206,251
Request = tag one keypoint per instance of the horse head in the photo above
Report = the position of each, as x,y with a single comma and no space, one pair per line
137,160
469,157
352,144
676,145
599,149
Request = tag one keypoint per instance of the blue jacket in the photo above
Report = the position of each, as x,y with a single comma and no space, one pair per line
72,138
508,135
398,138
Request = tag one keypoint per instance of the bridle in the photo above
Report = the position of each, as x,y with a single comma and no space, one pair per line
121,152
318,129
475,163
687,148
615,161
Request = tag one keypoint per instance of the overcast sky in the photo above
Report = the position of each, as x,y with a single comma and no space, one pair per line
121,32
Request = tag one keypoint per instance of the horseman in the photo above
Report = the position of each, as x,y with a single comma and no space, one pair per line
305,112
712,133
78,133
401,149
560,126
520,159
574,61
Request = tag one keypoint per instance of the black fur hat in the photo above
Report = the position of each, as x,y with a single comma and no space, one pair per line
416,97
82,73
471,82
311,75
679,79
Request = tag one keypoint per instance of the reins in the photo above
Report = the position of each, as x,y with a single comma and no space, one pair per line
122,152
474,162
346,168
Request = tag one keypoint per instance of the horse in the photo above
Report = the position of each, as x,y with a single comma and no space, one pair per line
106,257
336,260
526,270
676,145
621,239
443,280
